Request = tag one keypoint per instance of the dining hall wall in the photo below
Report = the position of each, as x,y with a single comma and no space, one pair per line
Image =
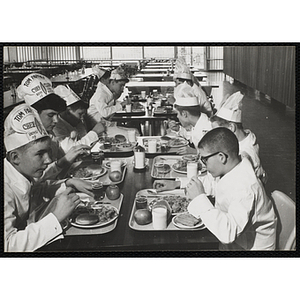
268,69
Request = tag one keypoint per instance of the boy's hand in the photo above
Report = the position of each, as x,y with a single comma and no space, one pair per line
72,154
194,188
80,185
65,204
165,185
186,150
99,128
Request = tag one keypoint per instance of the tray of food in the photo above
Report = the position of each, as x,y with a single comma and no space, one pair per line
92,172
163,144
113,145
94,217
162,110
179,218
172,167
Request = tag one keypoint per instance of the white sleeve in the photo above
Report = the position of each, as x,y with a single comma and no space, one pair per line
226,226
102,105
34,236
209,183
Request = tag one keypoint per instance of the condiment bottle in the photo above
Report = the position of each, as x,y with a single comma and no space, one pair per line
139,158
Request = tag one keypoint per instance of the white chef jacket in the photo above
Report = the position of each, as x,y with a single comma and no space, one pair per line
243,217
202,126
102,104
250,149
22,229
63,129
201,95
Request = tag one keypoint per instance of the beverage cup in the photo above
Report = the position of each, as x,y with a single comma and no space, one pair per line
98,190
96,157
192,169
152,146
141,203
159,217
143,94
115,165
131,136
128,107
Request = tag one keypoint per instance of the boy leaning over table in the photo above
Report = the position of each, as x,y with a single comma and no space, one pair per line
37,91
190,116
28,155
242,217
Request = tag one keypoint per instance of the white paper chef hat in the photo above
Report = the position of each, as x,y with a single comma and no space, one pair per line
98,71
34,87
118,74
182,70
231,110
22,126
185,96
67,94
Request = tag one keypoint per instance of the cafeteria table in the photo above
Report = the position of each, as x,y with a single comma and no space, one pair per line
165,77
163,86
151,122
71,77
123,238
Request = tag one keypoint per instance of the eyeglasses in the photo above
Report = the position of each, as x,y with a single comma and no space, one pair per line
205,158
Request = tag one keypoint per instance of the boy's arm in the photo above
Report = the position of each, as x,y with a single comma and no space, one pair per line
33,236
226,226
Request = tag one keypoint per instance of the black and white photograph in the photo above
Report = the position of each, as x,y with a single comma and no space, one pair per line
149,148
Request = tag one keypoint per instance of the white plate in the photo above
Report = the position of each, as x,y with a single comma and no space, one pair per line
95,175
107,163
99,224
181,226
183,143
203,170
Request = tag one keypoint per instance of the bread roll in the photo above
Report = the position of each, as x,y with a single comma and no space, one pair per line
187,220
120,138
87,219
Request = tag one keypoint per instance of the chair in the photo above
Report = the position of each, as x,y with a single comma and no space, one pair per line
286,228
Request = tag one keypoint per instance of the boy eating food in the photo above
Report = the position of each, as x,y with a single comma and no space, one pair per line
28,155
243,217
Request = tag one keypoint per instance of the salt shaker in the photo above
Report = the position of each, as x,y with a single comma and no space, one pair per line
139,158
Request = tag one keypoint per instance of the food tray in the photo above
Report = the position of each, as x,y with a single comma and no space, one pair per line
170,160
71,230
159,149
115,150
133,112
104,178
133,225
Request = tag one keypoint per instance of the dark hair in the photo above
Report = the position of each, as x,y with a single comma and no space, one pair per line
79,105
189,81
51,101
224,123
106,75
220,139
193,110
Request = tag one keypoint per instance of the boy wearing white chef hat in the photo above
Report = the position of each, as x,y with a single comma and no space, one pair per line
189,114
103,104
230,116
37,91
182,73
28,154
70,124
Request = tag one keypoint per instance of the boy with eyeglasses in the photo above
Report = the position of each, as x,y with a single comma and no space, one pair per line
242,217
